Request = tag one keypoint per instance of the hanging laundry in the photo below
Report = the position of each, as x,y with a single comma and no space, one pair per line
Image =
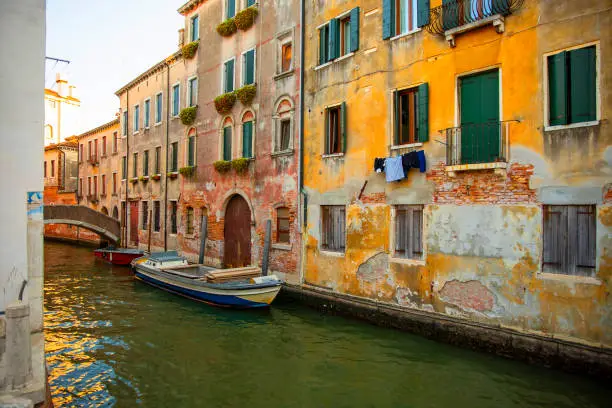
379,165
410,161
393,168
422,164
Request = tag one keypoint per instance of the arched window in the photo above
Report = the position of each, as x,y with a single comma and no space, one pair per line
189,220
283,126
282,225
248,134
115,213
226,139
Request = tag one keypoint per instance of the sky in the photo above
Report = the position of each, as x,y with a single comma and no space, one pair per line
108,43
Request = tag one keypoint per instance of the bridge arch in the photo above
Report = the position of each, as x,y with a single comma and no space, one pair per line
85,217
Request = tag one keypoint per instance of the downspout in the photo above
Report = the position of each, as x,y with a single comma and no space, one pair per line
127,159
167,146
301,146
78,181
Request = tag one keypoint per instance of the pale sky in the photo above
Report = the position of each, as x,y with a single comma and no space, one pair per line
108,43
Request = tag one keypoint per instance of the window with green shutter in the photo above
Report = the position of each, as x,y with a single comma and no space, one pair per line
145,163
228,76
404,16
191,151
411,115
248,67
323,44
230,8
247,139
174,158
335,129
572,86
227,143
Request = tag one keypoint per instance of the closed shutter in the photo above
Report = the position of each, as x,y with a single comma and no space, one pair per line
423,112
231,8
229,76
250,3
582,85
343,126
423,13
227,143
190,151
388,19
323,44
354,29
557,89
409,231
582,239
450,14
334,39
249,67
247,139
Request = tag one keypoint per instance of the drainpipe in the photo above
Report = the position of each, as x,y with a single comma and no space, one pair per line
167,146
78,183
303,206
127,167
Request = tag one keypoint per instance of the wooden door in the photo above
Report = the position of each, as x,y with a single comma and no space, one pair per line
237,233
134,222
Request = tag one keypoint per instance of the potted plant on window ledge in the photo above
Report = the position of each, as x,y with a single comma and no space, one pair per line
224,103
187,171
241,165
246,94
172,174
156,177
222,166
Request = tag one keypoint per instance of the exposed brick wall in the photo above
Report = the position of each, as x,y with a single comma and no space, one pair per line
483,186
375,198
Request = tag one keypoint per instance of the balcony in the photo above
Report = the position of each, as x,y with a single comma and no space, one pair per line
458,16
477,146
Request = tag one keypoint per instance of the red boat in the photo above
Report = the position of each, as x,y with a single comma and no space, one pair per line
118,256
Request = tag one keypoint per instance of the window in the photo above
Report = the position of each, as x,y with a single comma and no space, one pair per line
174,157
145,214
95,155
286,55
173,209
89,151
156,216
569,239
88,186
115,142
189,220
145,163
136,118
283,126
125,123
405,16
103,184
95,181
285,133
248,67
282,225
332,230
45,169
158,107
124,168
228,76
335,132
227,143
192,97
114,183
103,146
176,101
135,166
409,231
411,115
340,36
247,139
195,28
230,8
191,149
572,86
158,160
249,3
80,153
52,168
147,113
80,187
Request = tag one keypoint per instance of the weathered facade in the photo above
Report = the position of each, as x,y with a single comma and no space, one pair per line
510,101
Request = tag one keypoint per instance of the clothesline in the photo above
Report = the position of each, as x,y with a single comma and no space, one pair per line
397,168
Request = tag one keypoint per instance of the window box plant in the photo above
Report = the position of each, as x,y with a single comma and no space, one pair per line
241,165
224,103
189,50
187,171
143,179
227,28
223,166
134,180
188,115
172,174
246,94
246,18
156,177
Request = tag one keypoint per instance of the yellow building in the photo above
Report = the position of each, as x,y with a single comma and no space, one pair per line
509,101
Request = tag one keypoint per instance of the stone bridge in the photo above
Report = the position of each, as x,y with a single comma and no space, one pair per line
84,217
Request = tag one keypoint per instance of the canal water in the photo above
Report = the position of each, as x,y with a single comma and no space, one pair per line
113,341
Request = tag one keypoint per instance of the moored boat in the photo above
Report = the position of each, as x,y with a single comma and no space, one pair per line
118,256
238,288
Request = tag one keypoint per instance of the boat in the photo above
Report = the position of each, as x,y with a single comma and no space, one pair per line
234,288
118,256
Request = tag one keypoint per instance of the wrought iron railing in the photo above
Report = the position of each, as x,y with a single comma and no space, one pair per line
455,13
477,143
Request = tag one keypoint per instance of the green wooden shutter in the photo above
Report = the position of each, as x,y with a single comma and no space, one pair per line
423,112
231,8
326,149
174,156
423,13
227,143
343,125
247,139
334,39
557,89
396,117
250,67
582,101
388,19
450,14
229,76
354,29
322,45
190,151
500,7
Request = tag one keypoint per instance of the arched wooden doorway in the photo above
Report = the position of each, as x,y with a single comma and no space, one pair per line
237,233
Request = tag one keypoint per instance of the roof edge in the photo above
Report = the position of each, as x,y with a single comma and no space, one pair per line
150,71
99,128
187,7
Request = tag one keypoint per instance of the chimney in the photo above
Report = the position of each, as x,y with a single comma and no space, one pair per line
71,91
62,85
181,42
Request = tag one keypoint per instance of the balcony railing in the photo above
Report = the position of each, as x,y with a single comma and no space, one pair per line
455,13
477,143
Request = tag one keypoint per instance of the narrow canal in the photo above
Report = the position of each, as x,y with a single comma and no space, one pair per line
112,341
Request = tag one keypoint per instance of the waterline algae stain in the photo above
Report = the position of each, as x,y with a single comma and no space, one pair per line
111,341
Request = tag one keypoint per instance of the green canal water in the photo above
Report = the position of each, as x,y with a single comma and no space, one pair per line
113,341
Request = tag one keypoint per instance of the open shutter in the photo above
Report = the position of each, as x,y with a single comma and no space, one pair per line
582,85
388,18
423,12
396,117
450,13
557,89
230,76
327,149
334,38
423,112
343,125
354,29
190,152
322,45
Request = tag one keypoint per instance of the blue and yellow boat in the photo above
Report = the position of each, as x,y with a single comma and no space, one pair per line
172,273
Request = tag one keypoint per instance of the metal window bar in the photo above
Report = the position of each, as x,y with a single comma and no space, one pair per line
477,143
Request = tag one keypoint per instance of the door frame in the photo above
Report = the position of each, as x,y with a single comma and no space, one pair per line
226,200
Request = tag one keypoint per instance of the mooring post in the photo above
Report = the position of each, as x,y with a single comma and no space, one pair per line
203,235
266,253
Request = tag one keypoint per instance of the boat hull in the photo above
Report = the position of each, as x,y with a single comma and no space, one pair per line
234,298
117,257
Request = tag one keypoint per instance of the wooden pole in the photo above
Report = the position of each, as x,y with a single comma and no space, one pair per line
266,253
149,227
203,237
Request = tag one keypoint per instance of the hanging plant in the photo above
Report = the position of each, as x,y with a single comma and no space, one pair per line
227,28
224,103
187,171
246,94
134,180
246,18
189,50
222,166
241,165
143,179
172,174
188,115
